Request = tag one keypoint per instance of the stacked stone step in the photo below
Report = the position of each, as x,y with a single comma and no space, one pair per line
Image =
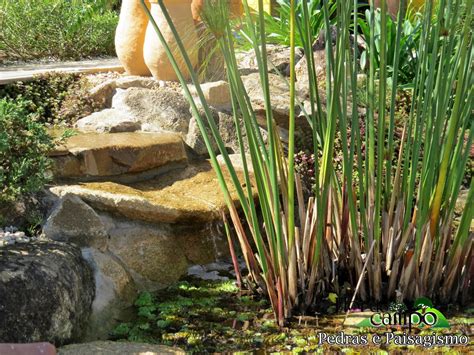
139,209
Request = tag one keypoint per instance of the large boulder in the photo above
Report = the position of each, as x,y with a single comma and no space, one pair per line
73,221
46,292
157,110
148,232
158,255
152,253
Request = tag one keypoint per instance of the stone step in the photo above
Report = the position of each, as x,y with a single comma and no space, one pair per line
117,156
190,195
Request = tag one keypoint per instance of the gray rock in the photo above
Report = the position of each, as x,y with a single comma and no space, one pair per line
113,348
73,221
279,95
46,293
228,132
115,293
278,57
194,138
103,92
108,121
301,73
202,273
216,94
157,110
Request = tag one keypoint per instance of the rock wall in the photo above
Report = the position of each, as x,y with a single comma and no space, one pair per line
128,256
46,293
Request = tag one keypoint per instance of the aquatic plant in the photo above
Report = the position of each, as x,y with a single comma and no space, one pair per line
390,225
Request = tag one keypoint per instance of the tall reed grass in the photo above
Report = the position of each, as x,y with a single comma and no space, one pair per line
387,222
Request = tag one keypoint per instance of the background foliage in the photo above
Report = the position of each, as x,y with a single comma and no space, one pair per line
277,27
57,29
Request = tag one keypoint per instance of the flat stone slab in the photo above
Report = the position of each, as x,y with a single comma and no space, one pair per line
189,195
9,74
89,155
113,348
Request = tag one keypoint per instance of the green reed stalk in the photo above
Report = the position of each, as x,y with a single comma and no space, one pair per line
291,127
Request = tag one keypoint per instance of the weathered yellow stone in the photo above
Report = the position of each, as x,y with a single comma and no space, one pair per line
190,195
112,154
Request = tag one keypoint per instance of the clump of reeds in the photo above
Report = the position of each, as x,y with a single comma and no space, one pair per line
389,225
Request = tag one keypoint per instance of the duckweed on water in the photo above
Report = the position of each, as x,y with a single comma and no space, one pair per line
211,316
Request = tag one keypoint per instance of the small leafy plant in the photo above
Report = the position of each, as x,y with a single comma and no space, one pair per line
24,144
55,98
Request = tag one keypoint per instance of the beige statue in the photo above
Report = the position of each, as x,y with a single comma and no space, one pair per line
154,53
130,37
138,46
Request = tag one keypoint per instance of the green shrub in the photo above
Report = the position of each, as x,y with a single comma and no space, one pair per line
56,29
409,54
24,143
56,98
277,28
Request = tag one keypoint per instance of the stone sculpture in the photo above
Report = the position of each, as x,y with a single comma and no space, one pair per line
130,37
139,48
154,53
